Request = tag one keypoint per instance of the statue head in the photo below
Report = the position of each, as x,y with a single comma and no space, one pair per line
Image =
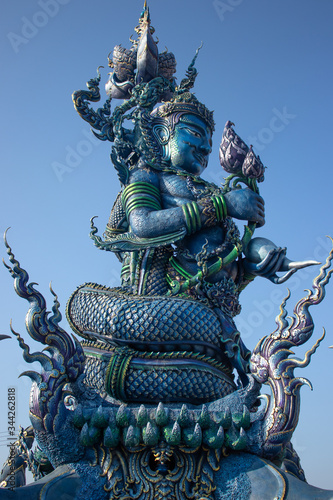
183,130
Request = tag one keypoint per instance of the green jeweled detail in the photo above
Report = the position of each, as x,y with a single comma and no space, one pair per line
141,195
180,270
220,207
116,373
192,217
125,269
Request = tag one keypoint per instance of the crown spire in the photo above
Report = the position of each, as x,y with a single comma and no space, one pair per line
144,23
145,10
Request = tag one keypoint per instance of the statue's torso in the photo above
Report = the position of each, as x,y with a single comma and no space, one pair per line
177,190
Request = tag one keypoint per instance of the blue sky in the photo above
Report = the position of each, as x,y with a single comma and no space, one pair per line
267,66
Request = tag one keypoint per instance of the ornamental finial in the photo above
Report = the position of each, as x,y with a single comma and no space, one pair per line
145,9
144,24
141,63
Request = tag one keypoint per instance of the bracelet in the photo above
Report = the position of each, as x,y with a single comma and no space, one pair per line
192,217
214,209
140,195
220,207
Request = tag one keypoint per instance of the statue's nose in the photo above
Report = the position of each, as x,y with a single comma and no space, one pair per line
205,148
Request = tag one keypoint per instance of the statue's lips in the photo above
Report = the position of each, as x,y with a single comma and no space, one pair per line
203,160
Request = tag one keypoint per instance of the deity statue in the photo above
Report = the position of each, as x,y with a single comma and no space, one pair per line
160,398
178,240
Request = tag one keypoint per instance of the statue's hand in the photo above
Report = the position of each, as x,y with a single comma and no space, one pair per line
270,265
245,204
264,258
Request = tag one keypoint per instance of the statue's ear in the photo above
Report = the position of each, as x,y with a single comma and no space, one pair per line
161,133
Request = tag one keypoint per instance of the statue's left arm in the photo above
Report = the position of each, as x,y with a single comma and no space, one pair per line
245,204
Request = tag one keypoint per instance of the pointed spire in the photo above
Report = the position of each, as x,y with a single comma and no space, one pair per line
144,24
145,12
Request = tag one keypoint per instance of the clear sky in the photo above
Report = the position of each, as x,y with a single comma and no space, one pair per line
267,66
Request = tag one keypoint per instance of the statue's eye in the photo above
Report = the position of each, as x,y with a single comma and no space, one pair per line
193,132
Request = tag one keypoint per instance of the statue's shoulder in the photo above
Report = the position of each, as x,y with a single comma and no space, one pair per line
143,172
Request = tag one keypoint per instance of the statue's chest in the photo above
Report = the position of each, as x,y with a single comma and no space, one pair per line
179,188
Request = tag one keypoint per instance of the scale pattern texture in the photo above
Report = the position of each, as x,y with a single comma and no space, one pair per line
107,312
183,382
183,385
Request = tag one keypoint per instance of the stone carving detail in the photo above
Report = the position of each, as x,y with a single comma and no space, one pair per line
160,397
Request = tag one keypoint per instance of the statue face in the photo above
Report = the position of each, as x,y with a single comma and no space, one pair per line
190,145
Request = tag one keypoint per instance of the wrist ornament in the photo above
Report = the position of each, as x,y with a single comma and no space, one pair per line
220,207
214,209
192,217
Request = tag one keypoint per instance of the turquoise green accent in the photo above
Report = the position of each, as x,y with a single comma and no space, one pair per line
248,233
233,180
125,270
116,373
192,217
142,202
140,195
195,215
190,281
220,207
180,270
139,187
188,221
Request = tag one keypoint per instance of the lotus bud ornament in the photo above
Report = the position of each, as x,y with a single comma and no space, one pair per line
233,150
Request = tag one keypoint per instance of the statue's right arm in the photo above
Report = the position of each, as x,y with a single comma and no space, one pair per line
144,209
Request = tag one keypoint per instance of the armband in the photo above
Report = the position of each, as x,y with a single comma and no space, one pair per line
220,207
140,195
192,217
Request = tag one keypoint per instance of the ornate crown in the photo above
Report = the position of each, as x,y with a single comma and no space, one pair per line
185,102
143,63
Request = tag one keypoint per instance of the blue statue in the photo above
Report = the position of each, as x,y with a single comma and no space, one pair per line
147,405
